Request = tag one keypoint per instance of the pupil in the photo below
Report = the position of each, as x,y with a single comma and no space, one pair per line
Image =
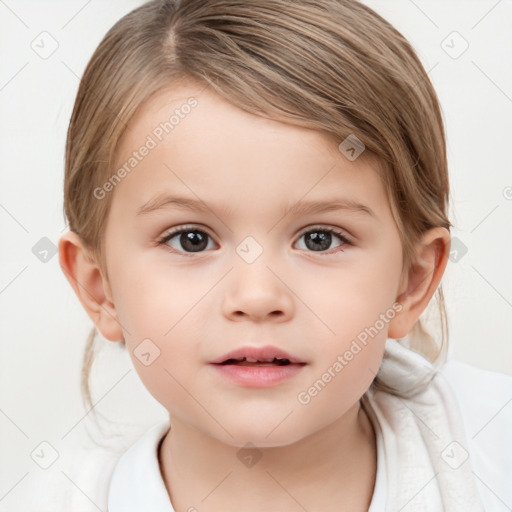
319,240
193,241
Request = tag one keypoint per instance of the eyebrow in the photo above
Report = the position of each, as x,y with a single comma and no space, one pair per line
300,208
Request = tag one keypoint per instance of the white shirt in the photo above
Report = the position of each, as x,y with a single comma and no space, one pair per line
133,482
137,483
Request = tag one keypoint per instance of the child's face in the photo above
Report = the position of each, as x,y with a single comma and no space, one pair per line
255,279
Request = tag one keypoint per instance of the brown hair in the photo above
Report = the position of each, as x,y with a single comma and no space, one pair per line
331,65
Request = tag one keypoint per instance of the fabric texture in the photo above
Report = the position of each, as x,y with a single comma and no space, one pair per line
426,448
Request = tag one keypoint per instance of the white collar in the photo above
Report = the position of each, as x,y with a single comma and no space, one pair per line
137,482
379,498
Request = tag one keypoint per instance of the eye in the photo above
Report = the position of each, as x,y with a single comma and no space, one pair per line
187,239
320,239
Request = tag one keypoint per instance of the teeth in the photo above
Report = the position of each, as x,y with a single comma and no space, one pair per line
264,360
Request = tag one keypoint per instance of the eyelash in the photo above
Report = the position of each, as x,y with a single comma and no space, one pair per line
185,229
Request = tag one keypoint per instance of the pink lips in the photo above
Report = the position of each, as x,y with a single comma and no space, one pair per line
258,366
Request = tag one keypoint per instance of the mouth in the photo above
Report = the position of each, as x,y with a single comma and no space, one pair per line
258,367
258,356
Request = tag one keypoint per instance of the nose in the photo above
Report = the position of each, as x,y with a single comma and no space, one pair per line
257,292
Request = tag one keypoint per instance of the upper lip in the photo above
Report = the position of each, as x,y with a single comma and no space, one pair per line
267,353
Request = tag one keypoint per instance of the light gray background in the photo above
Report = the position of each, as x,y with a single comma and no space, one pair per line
44,327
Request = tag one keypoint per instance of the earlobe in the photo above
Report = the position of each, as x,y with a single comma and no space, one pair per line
90,285
421,280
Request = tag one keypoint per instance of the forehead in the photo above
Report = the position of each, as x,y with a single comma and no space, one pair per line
199,143
190,112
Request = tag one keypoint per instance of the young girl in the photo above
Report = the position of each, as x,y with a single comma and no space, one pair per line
257,193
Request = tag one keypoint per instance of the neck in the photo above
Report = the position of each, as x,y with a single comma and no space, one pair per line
332,469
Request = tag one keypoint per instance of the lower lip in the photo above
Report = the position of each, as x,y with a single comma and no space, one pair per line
258,376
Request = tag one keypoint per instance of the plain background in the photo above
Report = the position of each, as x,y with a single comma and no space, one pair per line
43,324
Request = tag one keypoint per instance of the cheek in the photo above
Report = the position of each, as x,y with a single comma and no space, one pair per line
152,299
356,304
161,315
345,301
346,364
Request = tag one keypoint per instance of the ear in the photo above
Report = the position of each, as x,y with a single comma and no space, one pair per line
419,283
90,285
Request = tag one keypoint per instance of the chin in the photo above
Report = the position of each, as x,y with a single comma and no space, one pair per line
262,436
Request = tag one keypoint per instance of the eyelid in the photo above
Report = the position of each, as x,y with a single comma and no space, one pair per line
198,227
171,232
326,227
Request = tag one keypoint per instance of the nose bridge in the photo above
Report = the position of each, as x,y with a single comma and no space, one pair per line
254,287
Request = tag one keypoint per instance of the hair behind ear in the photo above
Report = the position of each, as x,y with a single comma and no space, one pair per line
88,358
